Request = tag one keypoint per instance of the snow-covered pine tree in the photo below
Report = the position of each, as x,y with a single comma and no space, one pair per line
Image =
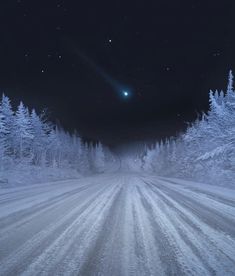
28,139
230,95
85,165
39,141
3,140
99,158
23,133
8,118
149,160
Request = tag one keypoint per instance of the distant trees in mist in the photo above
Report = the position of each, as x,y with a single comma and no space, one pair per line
29,139
206,151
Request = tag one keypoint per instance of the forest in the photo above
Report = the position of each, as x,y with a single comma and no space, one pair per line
206,151
32,149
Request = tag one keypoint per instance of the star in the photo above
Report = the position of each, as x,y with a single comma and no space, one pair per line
125,93
110,40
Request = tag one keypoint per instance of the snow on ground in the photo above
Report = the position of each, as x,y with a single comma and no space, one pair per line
28,175
117,224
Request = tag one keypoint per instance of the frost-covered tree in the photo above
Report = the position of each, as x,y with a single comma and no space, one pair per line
206,151
28,141
149,161
3,140
39,139
7,118
99,158
23,132
85,164
230,95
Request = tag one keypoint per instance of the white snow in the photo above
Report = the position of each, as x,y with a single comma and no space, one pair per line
117,224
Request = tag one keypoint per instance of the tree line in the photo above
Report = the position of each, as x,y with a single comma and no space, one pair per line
28,138
206,151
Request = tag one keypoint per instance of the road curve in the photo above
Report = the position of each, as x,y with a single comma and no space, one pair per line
117,224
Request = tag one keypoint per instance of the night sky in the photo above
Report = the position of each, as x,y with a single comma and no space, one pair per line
78,58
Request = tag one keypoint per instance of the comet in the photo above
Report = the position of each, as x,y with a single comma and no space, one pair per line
116,85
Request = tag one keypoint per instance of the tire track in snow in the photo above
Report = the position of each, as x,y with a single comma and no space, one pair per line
214,250
116,224
52,226
22,217
167,253
76,239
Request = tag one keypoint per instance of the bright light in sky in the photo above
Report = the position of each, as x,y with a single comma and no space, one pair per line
125,93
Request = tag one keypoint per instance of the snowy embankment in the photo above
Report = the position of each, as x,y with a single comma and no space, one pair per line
23,175
34,175
117,224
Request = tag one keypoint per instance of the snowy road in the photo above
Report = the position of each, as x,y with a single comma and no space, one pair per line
117,224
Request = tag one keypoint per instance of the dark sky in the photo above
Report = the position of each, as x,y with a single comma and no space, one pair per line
77,57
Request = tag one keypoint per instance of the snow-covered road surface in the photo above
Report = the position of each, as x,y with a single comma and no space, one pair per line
117,224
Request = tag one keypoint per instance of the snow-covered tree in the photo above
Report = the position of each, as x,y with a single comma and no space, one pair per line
39,139
99,158
23,132
7,118
3,139
29,140
206,151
